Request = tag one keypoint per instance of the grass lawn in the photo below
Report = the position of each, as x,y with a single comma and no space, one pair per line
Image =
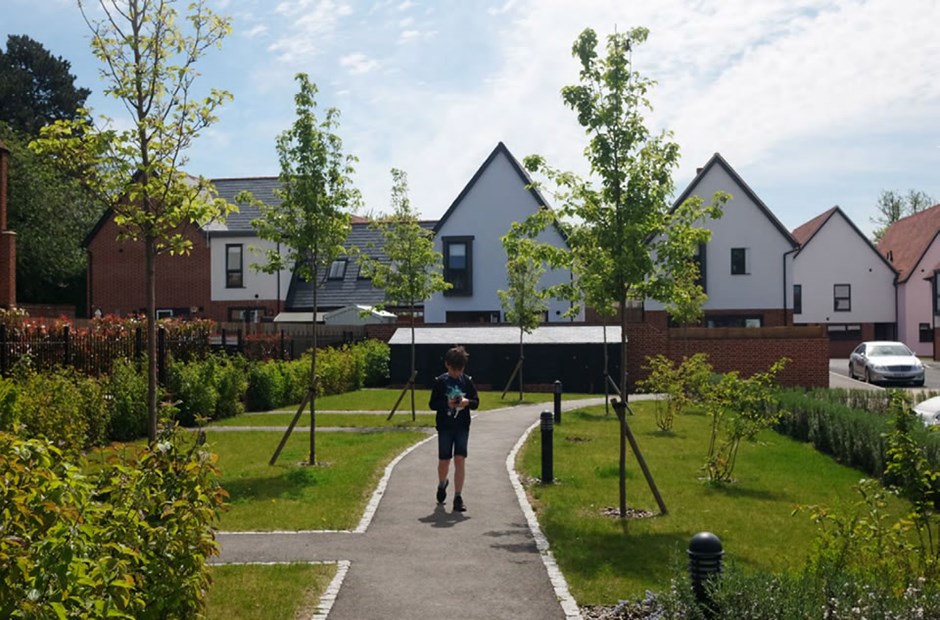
259,592
357,420
606,559
293,496
384,400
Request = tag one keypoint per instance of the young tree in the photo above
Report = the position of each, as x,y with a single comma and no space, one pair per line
411,271
36,87
626,243
524,302
892,206
312,221
149,59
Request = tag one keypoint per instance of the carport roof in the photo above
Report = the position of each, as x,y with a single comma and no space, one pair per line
507,334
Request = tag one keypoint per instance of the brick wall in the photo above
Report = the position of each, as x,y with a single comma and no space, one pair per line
117,278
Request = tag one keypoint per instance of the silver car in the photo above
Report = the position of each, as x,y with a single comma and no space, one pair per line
885,361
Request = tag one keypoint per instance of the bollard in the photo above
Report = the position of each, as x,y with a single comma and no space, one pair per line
705,553
548,475
557,390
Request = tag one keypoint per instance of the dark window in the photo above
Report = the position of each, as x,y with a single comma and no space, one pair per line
739,261
842,297
473,316
247,315
164,313
797,299
734,320
925,333
337,270
699,259
844,333
458,265
234,272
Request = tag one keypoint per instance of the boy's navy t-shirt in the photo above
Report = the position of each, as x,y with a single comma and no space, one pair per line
445,385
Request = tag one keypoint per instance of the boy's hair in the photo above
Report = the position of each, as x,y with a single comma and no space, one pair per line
456,357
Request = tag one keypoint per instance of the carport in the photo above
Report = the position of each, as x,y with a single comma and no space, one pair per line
573,354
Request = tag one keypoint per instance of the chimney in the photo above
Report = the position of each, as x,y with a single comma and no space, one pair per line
7,239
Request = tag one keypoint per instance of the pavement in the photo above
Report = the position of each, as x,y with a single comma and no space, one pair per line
410,558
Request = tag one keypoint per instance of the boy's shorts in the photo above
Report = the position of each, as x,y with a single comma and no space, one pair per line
452,441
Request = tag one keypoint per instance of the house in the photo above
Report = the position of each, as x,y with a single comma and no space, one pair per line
746,267
468,237
215,280
912,247
840,280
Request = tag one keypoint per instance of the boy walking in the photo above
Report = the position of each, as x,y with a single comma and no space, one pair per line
453,396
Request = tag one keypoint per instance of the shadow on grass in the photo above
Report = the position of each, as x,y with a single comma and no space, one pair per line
289,485
736,490
623,554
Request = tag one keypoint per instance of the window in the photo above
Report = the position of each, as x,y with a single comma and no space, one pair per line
844,333
739,261
734,320
458,265
925,333
699,259
247,315
164,313
842,297
234,271
337,270
797,299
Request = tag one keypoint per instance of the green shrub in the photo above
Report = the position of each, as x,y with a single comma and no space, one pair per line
231,383
193,389
128,541
296,380
265,387
8,412
127,389
374,358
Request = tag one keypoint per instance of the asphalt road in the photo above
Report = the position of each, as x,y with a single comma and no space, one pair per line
839,376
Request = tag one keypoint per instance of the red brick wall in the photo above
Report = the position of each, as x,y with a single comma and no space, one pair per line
117,278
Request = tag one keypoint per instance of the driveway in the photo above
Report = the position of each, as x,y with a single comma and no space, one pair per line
839,376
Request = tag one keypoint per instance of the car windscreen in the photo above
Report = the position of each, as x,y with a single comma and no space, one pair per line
890,349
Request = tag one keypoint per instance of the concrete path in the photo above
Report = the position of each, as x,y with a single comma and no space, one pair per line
410,558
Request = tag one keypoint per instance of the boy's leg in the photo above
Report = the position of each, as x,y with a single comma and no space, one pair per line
443,466
459,470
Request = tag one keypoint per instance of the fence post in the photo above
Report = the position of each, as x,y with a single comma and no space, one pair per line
138,344
283,352
66,333
4,362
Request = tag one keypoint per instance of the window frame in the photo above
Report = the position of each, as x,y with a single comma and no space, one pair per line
836,298
234,276
446,244
797,299
741,264
340,265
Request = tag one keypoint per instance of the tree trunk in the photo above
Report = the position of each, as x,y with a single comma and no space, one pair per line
150,253
521,363
412,373
622,412
312,388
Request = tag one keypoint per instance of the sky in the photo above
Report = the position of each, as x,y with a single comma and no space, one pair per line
815,103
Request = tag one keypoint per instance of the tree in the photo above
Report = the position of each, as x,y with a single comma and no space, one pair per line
36,87
523,301
412,270
51,215
892,206
312,222
625,241
149,60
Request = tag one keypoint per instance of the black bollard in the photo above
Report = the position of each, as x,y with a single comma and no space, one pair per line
548,475
705,553
557,390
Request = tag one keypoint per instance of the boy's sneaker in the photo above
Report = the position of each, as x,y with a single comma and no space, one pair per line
459,506
442,491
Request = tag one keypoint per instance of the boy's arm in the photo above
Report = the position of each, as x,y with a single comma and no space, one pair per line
472,395
438,399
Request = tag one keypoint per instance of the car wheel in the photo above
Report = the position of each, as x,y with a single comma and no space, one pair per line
867,376
851,371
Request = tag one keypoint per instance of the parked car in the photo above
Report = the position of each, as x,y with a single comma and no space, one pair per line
885,361
929,411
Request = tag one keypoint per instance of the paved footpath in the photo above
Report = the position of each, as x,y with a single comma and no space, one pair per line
412,559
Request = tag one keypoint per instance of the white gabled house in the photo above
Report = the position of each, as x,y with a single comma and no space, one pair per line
841,280
468,237
747,264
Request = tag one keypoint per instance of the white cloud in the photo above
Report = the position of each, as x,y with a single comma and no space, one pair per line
358,63
404,6
255,31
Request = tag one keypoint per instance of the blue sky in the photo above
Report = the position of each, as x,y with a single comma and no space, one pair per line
815,103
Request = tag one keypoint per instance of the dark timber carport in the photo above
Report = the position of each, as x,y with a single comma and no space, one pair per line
573,354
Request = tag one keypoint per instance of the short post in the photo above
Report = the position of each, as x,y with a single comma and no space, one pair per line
548,475
705,552
557,390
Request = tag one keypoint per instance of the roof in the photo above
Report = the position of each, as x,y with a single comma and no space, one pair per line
516,166
718,160
805,233
908,239
351,290
262,188
508,334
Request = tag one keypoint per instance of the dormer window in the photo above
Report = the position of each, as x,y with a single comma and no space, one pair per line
337,270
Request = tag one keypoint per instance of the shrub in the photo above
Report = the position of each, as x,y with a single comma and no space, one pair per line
129,541
374,358
8,413
265,387
231,383
127,390
193,389
683,384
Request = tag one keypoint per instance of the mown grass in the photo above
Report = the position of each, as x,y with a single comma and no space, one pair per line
291,495
606,559
259,592
384,400
342,420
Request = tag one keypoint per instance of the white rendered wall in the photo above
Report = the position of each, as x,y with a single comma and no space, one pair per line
915,301
258,286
